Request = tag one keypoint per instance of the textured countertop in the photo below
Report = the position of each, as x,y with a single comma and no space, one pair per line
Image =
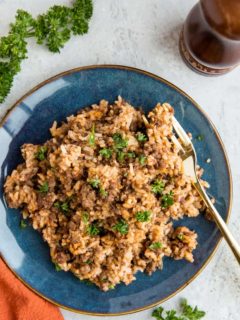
144,34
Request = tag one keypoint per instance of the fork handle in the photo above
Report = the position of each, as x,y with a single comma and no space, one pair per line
219,221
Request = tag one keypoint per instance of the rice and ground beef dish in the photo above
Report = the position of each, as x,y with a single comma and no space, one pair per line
103,192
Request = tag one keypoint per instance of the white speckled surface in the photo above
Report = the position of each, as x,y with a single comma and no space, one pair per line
144,34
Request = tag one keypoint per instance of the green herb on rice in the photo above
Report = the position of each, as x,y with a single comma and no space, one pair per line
157,186
103,192
95,183
142,159
43,188
85,217
119,141
121,226
106,153
41,154
155,245
91,138
93,229
180,236
141,137
143,216
63,206
167,200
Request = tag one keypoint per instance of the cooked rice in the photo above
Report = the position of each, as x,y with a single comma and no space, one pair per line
92,228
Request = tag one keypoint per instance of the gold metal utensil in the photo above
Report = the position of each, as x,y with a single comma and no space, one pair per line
188,154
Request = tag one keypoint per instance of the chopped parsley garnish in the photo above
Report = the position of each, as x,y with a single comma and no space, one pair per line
200,137
106,153
167,200
88,261
41,154
95,183
103,192
121,156
143,216
93,229
85,217
119,141
43,188
121,226
87,282
142,159
141,137
57,267
131,154
23,224
187,313
155,245
180,236
63,206
158,186
91,138
111,286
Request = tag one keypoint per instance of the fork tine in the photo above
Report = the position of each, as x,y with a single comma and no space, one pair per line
177,143
186,141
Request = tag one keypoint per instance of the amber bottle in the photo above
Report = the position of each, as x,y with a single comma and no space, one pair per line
210,39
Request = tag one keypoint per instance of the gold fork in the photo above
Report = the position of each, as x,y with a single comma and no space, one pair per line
189,157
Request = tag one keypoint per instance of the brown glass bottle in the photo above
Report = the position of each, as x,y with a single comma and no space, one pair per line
210,39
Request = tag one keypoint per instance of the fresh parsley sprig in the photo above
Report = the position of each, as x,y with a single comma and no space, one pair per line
143,216
167,200
41,154
53,29
187,313
121,226
157,186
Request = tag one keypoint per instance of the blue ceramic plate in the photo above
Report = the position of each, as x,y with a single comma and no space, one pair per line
29,121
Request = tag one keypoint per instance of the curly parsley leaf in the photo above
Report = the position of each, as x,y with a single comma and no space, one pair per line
63,206
155,245
180,236
167,200
143,216
141,137
106,153
142,159
119,141
93,229
157,186
191,313
41,154
188,313
85,217
103,192
53,28
121,226
43,188
95,183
